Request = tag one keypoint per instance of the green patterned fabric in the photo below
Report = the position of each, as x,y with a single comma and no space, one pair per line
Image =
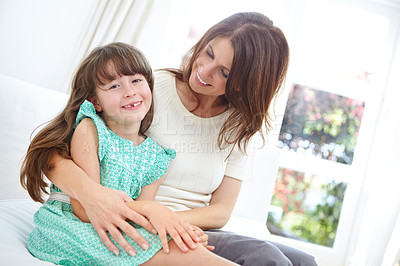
60,237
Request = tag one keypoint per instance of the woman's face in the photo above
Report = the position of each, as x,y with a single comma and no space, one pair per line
211,68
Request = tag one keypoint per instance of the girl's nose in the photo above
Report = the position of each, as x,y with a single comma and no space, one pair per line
129,89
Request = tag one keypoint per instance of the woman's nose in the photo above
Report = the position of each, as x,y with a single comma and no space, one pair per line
207,70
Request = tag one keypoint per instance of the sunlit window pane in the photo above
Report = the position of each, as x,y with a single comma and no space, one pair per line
306,207
321,124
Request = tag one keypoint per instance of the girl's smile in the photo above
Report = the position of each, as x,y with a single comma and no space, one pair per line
133,106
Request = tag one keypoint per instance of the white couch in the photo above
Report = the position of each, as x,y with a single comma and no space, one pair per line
23,107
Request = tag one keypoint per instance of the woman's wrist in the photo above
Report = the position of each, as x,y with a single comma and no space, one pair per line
87,192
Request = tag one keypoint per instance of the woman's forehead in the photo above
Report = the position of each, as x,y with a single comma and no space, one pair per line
222,50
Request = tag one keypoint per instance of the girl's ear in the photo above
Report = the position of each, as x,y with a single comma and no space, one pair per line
96,104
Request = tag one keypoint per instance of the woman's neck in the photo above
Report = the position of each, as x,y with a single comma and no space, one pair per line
206,106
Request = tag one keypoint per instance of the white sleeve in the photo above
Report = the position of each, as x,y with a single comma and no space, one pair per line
241,166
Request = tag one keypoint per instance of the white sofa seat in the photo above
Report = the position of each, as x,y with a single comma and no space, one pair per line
23,107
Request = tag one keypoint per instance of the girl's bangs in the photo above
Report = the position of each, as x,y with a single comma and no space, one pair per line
113,68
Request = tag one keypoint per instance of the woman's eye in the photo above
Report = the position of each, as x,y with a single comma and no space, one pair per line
208,52
224,74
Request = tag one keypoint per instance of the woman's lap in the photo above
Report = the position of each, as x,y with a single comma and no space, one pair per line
251,251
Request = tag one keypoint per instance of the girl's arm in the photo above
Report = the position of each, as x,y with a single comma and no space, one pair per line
84,147
105,207
163,219
222,202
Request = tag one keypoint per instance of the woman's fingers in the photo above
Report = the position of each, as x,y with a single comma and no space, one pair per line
134,234
106,240
120,239
203,238
210,248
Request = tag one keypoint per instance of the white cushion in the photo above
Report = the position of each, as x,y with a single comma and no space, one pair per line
16,224
23,107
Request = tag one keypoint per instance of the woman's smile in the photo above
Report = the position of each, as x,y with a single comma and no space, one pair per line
200,80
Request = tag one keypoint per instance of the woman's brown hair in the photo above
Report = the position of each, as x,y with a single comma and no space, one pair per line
56,135
259,68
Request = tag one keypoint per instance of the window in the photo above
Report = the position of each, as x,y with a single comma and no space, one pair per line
324,125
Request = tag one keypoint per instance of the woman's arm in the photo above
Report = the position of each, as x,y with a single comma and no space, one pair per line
222,202
104,207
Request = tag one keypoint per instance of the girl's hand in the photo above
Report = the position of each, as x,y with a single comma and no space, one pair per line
106,209
203,238
166,222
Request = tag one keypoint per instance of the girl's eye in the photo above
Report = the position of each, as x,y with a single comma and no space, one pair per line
136,80
114,87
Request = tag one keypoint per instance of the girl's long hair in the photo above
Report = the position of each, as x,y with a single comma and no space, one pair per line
56,135
259,67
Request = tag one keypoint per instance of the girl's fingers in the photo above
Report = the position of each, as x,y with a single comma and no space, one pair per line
178,240
188,236
138,219
164,240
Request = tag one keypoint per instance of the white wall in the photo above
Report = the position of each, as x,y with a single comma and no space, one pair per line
382,205
39,39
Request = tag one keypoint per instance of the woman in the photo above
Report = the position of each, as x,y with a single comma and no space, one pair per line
208,111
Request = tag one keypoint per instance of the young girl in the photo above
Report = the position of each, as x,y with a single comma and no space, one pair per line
102,130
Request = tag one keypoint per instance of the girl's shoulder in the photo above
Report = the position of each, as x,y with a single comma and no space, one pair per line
87,110
87,114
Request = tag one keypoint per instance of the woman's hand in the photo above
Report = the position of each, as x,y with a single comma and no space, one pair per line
203,238
107,211
165,221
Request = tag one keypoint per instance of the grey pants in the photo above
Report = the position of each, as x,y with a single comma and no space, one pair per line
250,251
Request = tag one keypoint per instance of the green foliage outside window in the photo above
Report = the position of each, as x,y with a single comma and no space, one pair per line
323,124
311,221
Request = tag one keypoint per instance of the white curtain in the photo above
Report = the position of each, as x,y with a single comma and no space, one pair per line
112,20
392,252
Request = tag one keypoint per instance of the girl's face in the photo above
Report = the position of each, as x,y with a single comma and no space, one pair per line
211,69
123,101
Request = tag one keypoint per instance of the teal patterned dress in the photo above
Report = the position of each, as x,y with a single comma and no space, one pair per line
60,237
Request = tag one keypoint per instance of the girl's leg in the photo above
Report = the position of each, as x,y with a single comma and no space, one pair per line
199,256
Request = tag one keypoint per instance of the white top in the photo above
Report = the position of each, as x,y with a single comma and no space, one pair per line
200,165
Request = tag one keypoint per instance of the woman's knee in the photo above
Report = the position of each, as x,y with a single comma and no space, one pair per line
246,250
